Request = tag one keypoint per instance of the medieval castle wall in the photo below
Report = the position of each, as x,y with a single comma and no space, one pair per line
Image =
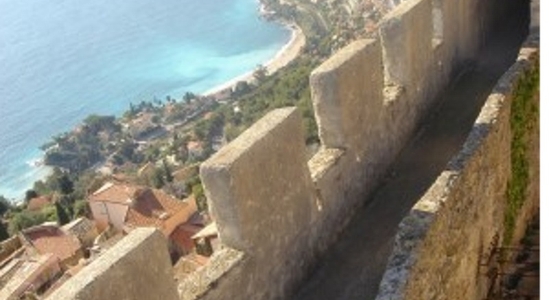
277,212
442,244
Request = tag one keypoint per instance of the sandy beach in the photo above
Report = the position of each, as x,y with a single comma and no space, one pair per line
288,53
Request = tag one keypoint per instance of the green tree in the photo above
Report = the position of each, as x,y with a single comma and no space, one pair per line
132,112
24,219
30,194
260,73
5,205
200,198
241,88
127,150
81,208
188,97
3,232
167,172
62,217
41,187
157,178
65,184
49,213
98,123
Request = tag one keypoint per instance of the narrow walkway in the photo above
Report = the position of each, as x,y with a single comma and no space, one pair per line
353,267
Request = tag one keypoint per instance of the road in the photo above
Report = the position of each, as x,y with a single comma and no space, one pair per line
353,267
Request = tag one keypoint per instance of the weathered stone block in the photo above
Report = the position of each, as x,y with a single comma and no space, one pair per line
406,36
347,95
440,245
137,267
259,186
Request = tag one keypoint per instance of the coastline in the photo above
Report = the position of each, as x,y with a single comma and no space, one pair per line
35,170
282,58
289,52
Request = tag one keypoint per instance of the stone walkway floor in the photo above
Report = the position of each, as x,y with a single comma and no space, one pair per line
353,267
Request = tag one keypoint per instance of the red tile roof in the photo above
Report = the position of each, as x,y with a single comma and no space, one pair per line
194,145
146,207
153,207
51,239
38,203
182,236
117,193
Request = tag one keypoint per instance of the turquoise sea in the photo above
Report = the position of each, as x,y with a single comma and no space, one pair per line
65,59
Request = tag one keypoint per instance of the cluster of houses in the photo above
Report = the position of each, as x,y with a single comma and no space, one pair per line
39,259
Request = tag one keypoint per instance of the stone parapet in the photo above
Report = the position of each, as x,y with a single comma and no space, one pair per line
439,245
277,212
138,267
259,182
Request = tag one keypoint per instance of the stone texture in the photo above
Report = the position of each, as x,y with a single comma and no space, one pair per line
202,280
262,198
439,244
279,212
261,181
406,36
138,267
347,94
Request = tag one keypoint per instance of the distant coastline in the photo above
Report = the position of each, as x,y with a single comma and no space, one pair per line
283,57
289,52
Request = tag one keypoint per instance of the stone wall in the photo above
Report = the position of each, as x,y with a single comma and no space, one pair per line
138,267
530,206
9,246
263,201
282,212
277,212
440,244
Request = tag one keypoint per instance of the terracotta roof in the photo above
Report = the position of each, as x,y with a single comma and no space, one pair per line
182,236
152,207
117,193
194,145
38,203
146,207
51,239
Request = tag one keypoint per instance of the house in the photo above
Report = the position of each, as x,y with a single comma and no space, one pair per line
195,149
181,239
144,126
37,203
38,256
49,238
126,207
222,95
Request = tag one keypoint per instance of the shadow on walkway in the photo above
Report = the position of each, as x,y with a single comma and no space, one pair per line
353,267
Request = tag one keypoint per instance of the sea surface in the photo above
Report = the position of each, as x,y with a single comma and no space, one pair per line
61,60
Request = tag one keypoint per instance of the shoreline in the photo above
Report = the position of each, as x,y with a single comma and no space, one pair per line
35,170
290,51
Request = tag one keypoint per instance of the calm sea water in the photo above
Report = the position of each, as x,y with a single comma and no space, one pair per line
65,59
